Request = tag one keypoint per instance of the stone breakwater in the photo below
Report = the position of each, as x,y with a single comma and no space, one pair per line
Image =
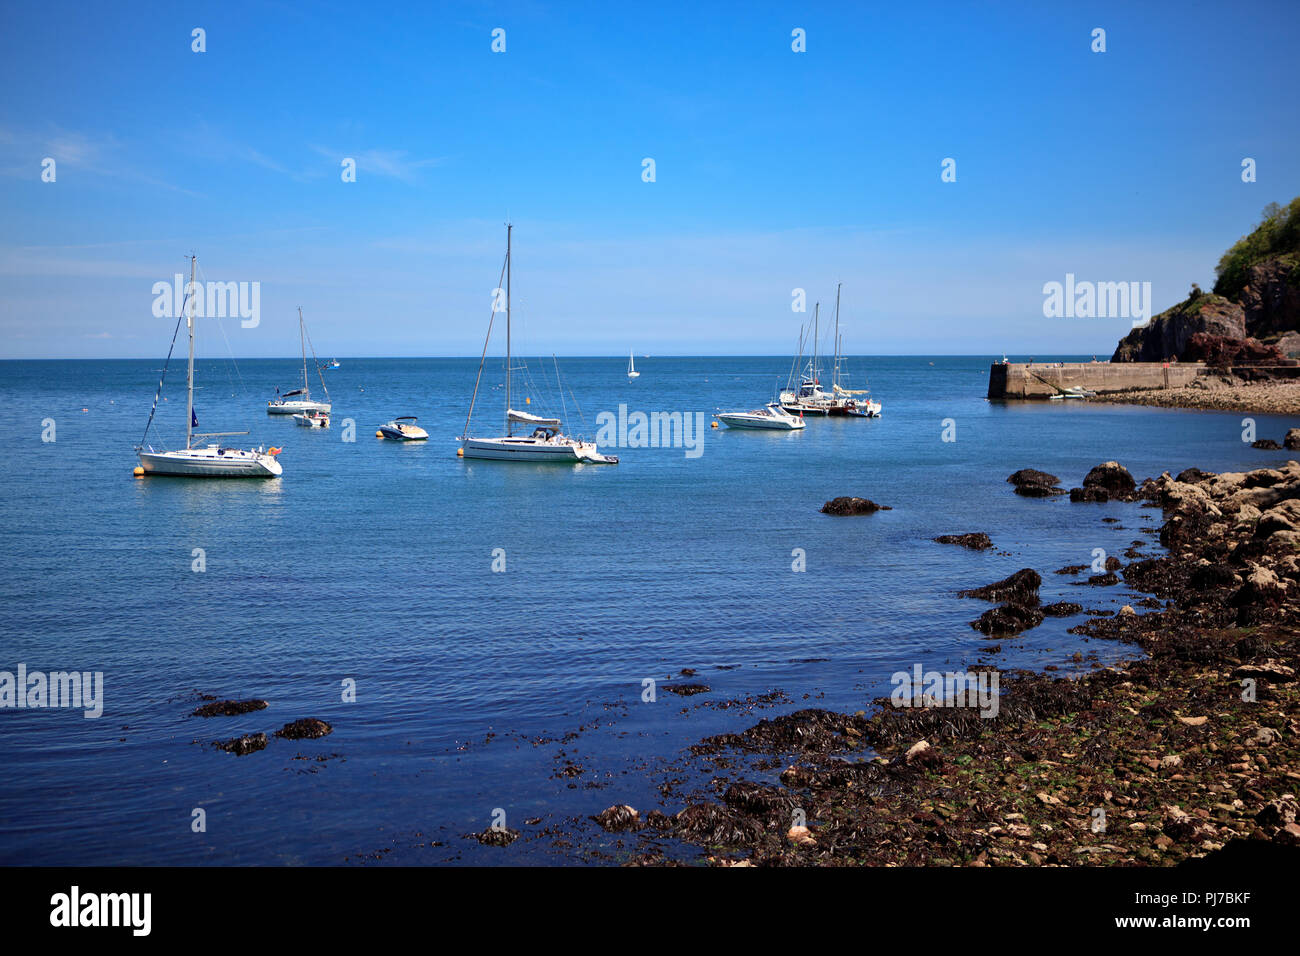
1187,750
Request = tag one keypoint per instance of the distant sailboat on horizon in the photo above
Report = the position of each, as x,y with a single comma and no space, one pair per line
631,368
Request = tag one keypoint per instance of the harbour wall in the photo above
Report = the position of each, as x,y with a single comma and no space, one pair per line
1043,380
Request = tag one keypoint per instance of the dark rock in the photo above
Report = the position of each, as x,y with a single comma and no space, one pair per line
1038,491
1008,619
1264,444
975,540
239,746
308,728
1103,580
1019,588
1113,563
229,708
1112,477
685,690
1100,495
852,506
1292,439
1073,569
1193,476
1062,609
1031,476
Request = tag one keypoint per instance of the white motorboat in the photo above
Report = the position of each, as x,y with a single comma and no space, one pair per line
289,403
402,428
771,416
213,460
546,442
631,368
313,419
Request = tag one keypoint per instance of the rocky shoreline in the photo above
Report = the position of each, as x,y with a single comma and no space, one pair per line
1256,398
1176,755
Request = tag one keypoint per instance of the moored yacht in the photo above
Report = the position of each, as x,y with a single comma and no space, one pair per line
402,428
289,403
212,460
771,416
546,442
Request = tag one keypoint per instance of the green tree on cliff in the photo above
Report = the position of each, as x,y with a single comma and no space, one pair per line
1277,234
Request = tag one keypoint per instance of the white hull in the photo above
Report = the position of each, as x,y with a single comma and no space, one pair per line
760,421
563,450
296,407
210,462
408,433
312,421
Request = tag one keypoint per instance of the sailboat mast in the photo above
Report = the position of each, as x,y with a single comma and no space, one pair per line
302,340
817,311
835,374
189,374
509,427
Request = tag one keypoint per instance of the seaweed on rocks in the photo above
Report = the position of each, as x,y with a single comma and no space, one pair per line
307,728
619,817
241,746
1062,609
1007,619
1020,588
229,708
852,506
975,540
497,836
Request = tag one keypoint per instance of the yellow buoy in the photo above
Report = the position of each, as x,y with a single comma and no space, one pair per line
379,434
715,424
460,452
138,472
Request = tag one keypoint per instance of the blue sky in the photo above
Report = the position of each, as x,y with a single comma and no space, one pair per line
774,169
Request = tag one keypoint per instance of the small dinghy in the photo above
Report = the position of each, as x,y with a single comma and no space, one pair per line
313,419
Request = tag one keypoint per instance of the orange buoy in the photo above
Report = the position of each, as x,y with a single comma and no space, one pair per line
460,452
138,472
379,434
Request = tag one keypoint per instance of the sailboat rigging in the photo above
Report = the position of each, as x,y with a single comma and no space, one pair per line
212,460
546,442
289,403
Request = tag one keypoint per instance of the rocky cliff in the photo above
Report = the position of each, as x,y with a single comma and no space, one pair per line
1251,317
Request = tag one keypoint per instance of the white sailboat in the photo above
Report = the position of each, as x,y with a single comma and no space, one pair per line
631,368
213,460
546,442
810,399
288,404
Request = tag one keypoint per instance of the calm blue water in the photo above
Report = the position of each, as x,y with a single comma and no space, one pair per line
372,561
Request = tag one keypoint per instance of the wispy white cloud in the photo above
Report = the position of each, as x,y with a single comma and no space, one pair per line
391,163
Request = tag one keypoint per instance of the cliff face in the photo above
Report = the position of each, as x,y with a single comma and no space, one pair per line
1169,334
1253,315
1271,299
